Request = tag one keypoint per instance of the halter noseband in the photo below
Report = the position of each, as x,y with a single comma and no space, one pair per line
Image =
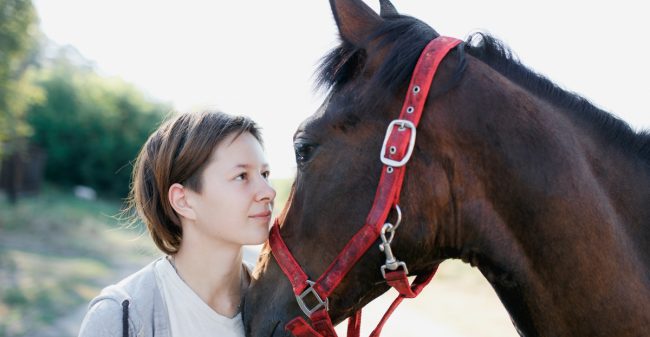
395,153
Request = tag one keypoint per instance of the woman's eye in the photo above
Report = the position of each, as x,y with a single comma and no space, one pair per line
242,176
303,152
266,174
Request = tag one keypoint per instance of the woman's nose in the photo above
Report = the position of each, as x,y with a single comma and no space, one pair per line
266,192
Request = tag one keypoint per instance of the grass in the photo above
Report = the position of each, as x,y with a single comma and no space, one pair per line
56,253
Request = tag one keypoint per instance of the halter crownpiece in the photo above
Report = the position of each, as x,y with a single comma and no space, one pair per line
396,151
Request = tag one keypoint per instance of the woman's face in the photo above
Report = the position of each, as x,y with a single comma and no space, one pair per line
236,198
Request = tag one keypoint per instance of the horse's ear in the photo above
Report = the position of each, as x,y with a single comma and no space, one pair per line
355,20
387,9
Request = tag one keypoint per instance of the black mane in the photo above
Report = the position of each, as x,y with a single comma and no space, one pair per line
409,36
500,58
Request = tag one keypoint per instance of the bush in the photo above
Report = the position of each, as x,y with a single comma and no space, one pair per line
91,127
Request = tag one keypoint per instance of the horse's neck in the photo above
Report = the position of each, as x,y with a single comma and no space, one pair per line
624,179
571,254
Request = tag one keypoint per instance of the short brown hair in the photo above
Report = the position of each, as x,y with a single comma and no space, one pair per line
178,152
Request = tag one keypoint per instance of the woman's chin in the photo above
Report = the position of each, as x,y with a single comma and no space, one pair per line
257,237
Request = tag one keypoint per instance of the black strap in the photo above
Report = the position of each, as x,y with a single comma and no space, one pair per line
125,318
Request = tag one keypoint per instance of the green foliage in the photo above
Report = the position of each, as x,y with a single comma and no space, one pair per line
14,297
91,127
18,50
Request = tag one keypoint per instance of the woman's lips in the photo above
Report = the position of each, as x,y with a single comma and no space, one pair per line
264,214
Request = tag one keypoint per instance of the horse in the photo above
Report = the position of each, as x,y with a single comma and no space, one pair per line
546,194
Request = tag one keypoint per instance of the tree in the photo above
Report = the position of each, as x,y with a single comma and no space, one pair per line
90,126
18,53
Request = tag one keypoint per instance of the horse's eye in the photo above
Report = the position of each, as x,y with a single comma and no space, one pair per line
303,152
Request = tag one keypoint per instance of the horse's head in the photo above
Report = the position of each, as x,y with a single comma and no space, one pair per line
337,153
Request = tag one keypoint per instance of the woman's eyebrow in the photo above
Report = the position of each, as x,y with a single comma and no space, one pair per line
248,166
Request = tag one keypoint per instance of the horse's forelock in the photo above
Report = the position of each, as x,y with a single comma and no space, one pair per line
404,36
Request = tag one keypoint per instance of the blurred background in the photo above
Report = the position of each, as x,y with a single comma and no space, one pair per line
84,82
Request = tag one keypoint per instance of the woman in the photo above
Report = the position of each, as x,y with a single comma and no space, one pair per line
201,186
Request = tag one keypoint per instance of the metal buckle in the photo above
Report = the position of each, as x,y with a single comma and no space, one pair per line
303,305
392,263
404,124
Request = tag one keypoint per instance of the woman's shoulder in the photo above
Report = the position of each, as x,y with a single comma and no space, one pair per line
138,294
104,318
132,287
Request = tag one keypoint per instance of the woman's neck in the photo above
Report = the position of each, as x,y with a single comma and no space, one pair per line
213,271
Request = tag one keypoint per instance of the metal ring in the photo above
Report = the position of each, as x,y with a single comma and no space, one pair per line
410,110
399,218
389,169
393,150
416,89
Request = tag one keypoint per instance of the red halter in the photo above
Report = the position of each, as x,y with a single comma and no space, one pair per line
395,153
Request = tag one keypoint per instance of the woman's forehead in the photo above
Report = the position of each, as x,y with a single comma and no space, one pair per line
240,151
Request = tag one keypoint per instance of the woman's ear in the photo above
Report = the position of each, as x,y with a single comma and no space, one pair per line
178,199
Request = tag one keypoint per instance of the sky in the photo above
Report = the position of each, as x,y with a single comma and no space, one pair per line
258,58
